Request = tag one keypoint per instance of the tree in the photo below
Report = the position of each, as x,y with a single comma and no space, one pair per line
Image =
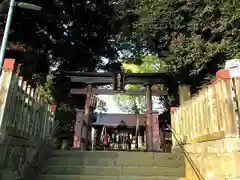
68,35
192,37
130,104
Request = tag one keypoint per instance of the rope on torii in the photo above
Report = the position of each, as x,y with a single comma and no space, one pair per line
94,101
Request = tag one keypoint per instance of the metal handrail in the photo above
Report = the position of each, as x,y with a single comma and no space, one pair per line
25,170
186,154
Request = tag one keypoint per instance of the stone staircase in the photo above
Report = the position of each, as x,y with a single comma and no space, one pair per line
100,165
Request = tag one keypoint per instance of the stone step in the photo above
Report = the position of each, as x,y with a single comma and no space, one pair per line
114,171
78,158
7,175
64,177
108,154
116,162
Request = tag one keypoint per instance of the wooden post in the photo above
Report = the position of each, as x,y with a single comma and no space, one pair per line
137,130
78,129
46,119
184,93
174,127
149,118
156,130
86,121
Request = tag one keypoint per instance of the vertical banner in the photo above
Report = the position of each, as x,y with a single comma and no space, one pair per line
156,133
147,133
93,138
137,131
77,135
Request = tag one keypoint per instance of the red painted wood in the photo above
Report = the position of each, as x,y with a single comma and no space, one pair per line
9,64
111,92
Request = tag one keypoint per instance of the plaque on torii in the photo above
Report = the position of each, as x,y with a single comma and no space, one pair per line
119,81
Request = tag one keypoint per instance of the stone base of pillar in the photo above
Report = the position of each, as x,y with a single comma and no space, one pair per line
64,144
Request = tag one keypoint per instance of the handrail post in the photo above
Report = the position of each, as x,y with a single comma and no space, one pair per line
184,93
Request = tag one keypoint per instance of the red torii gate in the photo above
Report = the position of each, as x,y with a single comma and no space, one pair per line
119,80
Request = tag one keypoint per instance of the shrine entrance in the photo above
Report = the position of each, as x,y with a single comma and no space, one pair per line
85,118
120,128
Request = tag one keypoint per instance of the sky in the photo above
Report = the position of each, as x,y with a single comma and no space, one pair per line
111,104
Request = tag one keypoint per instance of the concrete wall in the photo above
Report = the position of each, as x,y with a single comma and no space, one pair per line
19,155
216,160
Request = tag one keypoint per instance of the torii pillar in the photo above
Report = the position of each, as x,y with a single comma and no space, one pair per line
87,124
83,123
77,141
149,122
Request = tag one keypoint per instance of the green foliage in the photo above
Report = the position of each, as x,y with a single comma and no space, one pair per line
70,35
189,40
192,37
46,90
149,63
66,36
130,104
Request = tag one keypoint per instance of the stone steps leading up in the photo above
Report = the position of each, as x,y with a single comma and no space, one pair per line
105,165
113,165
113,170
8,175
112,154
74,177
104,158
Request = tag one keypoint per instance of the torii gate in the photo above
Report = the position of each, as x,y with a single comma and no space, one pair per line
119,80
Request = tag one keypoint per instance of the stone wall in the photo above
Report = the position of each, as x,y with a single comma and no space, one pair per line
18,155
216,160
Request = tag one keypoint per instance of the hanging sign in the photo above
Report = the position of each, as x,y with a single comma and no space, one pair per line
119,81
